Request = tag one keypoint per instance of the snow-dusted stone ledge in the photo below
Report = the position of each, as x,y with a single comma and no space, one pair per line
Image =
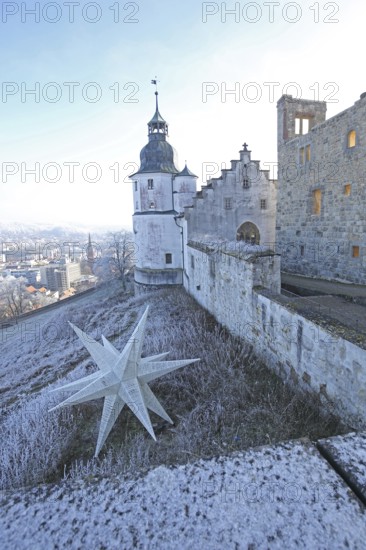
347,454
285,496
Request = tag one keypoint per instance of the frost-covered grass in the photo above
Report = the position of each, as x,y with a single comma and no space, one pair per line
228,401
33,441
276,497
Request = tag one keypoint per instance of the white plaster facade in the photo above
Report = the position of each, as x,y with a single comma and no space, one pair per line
160,194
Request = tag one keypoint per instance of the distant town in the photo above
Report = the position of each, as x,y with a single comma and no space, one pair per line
35,273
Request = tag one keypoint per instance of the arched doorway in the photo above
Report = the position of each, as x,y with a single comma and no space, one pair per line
249,233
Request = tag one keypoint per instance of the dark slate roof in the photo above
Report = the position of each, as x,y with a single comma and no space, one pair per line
186,172
156,118
158,156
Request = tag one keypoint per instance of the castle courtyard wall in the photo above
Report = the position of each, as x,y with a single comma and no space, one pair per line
243,294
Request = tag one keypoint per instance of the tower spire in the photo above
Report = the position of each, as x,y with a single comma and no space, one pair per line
157,125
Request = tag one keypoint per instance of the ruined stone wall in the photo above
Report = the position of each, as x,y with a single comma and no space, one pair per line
326,240
243,295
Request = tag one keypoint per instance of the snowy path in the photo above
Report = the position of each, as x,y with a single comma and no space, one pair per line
285,496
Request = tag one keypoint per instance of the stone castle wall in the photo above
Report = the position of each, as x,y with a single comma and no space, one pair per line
243,293
326,240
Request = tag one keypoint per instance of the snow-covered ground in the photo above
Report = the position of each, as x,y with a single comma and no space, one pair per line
347,454
284,496
273,497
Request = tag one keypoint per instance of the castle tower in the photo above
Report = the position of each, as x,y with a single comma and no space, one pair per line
160,194
296,117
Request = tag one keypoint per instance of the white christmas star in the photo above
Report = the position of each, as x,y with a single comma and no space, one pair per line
122,379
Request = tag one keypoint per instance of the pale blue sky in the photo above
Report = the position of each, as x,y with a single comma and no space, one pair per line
169,40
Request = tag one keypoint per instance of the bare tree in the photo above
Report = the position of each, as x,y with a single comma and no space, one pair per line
14,298
121,248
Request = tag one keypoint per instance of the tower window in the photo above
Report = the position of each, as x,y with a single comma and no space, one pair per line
245,183
228,203
192,261
347,189
135,185
137,205
150,184
302,250
302,125
351,139
355,251
152,205
308,153
317,202
263,204
168,258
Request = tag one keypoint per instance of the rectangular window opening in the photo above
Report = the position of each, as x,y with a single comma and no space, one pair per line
347,189
168,258
150,184
263,204
317,201
355,251
228,203
351,141
302,126
308,153
297,126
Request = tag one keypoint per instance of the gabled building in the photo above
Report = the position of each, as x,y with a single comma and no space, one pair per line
240,205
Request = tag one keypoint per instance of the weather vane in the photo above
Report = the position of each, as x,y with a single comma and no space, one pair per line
155,82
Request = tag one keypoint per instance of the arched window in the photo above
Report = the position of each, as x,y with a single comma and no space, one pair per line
351,139
249,233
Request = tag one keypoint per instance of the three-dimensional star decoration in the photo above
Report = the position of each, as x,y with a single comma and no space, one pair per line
121,380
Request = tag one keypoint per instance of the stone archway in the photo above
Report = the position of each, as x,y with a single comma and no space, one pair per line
249,233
